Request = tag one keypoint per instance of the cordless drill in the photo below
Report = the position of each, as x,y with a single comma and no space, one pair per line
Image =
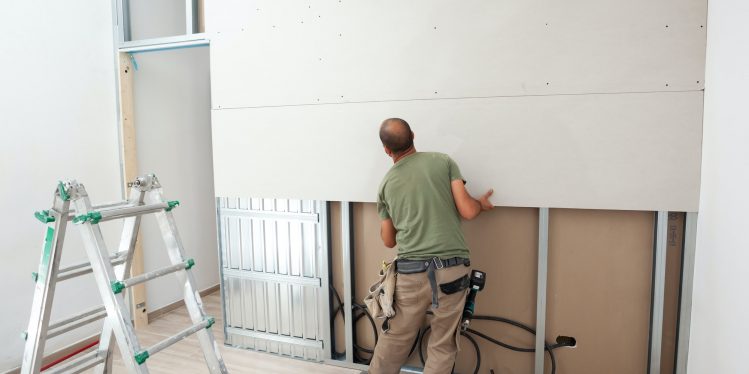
478,279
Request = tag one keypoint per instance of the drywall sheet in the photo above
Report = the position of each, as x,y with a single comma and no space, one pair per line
286,52
599,151
173,132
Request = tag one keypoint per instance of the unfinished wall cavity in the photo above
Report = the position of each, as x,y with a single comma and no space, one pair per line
599,285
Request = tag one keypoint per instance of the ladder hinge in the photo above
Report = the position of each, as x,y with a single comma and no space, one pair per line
171,204
210,321
117,287
63,194
141,357
35,276
94,217
189,264
44,217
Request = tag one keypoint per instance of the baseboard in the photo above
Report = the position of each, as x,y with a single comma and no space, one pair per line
62,352
158,313
82,343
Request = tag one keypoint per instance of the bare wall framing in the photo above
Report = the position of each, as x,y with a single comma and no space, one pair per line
599,291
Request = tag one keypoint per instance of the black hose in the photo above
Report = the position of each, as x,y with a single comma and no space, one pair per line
362,311
478,351
333,317
470,338
547,347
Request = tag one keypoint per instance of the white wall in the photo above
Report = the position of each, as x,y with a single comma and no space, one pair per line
720,314
57,115
173,135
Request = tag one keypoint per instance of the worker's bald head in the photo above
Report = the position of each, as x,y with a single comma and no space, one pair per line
396,135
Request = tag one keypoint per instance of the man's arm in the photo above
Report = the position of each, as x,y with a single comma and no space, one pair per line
387,232
469,207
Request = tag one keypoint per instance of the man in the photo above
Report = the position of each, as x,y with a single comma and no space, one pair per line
421,200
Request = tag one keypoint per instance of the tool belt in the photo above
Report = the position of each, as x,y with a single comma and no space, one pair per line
403,266
379,301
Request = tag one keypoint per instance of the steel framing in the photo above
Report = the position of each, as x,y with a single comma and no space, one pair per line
685,293
660,247
274,275
347,261
543,261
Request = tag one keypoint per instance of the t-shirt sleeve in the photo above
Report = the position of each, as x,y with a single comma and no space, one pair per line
453,170
382,208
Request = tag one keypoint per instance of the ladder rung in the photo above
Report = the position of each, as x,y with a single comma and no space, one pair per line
74,322
112,205
124,211
85,267
141,357
77,365
101,207
117,287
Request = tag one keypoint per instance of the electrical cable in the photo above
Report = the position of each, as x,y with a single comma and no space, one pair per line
359,311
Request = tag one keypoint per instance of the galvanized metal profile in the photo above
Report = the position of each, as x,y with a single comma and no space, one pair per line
685,293
166,43
270,215
658,292
271,277
191,16
347,279
543,261
121,10
221,266
274,272
125,21
323,259
276,337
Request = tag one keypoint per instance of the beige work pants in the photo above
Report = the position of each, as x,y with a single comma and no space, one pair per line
413,297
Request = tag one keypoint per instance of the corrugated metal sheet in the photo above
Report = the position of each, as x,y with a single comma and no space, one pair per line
274,261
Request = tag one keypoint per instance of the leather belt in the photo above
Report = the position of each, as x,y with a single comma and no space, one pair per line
429,265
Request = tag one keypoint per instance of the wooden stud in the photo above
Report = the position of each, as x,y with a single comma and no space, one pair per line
130,172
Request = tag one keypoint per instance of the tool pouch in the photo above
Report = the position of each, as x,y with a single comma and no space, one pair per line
457,285
380,298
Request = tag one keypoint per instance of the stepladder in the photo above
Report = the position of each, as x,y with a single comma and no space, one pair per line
111,272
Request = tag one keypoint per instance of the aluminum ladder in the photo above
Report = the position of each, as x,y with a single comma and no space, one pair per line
109,273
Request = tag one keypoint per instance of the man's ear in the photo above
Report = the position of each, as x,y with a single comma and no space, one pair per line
413,135
388,151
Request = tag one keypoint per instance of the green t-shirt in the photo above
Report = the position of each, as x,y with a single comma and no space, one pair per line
416,194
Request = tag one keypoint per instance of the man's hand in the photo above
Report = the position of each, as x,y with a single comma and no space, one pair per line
468,207
484,200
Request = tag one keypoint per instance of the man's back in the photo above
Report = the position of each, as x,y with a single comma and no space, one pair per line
416,194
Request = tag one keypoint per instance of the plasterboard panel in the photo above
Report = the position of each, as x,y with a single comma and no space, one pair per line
283,53
604,151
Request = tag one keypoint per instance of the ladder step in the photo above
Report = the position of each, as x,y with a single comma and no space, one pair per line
74,322
85,267
142,356
118,212
78,365
119,286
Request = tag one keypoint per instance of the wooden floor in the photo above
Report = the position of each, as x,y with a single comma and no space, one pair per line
186,357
